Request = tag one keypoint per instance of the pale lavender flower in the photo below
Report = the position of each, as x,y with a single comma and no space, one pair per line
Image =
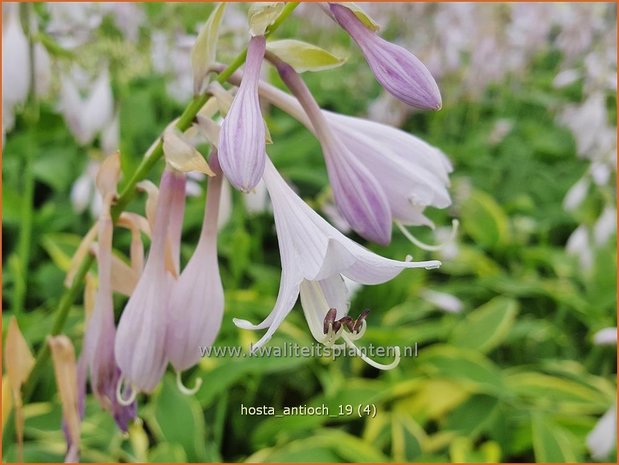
197,299
313,250
242,137
140,341
412,174
358,195
399,71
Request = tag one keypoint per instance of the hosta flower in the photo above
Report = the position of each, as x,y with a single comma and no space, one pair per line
398,71
313,250
242,137
413,174
140,341
197,299
358,195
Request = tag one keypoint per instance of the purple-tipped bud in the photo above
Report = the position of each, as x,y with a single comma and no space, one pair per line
197,300
101,334
140,340
398,70
242,138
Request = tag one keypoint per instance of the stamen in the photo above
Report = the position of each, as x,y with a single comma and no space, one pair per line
119,395
430,247
368,360
348,323
360,320
185,390
329,320
359,334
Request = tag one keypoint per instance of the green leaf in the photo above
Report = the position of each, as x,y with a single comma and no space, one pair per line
461,451
552,392
485,221
473,416
468,366
303,56
550,442
487,326
178,418
167,452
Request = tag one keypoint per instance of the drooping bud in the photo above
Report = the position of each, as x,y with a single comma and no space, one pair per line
140,340
400,72
197,298
242,136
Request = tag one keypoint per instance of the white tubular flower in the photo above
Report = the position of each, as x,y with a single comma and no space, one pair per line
313,250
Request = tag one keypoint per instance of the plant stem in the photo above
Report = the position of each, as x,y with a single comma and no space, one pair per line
127,194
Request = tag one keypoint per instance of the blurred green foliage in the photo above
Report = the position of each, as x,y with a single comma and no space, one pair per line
514,377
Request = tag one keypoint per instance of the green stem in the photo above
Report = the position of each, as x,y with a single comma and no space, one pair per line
24,239
127,194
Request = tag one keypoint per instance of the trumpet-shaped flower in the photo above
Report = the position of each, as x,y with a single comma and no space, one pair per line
398,70
358,195
412,174
197,299
140,348
313,250
242,138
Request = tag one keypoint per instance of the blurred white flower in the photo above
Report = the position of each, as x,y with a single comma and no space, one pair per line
83,191
605,226
603,439
72,23
15,64
87,117
171,56
605,337
443,301
579,246
576,195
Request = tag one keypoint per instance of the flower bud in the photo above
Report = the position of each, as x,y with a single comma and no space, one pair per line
197,299
242,136
140,340
398,70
